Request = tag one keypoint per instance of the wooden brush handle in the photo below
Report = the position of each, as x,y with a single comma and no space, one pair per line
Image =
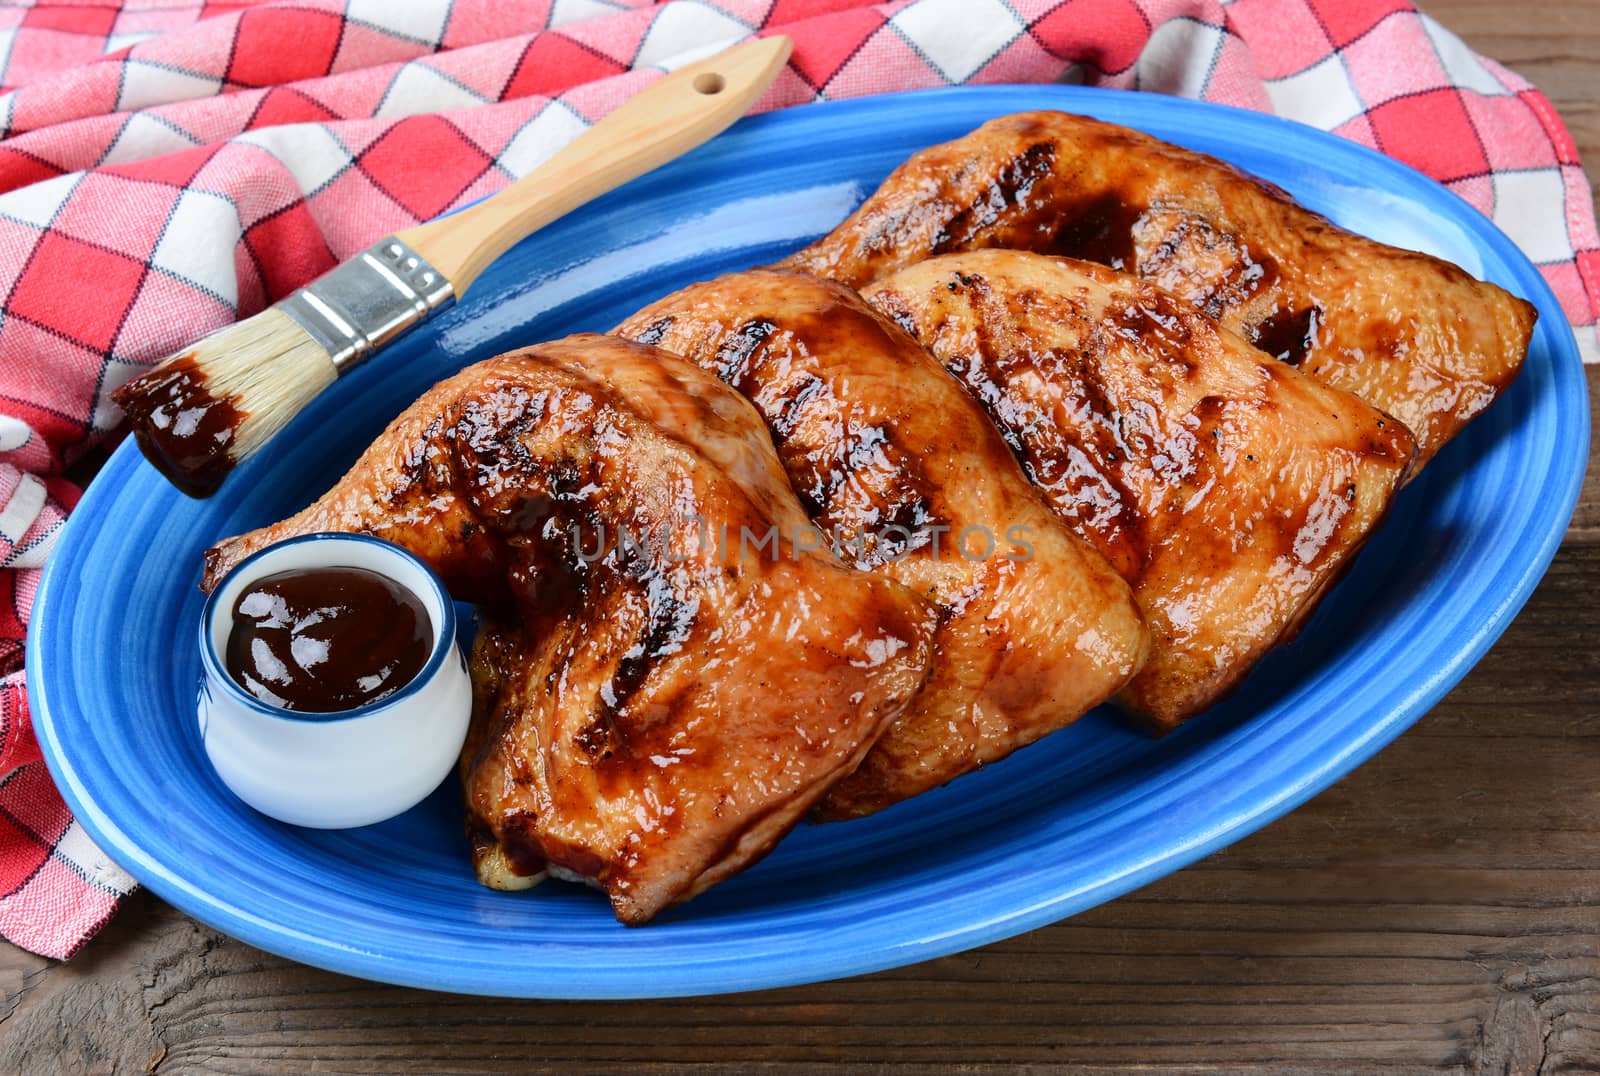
667,119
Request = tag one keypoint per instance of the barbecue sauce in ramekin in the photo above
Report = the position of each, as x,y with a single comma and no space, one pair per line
325,640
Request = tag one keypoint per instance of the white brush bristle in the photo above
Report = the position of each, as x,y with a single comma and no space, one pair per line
269,368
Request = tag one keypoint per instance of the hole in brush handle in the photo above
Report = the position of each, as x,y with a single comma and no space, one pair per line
709,83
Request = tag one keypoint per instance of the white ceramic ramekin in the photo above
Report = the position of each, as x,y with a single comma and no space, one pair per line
354,767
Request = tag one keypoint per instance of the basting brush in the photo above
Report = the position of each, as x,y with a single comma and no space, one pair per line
203,410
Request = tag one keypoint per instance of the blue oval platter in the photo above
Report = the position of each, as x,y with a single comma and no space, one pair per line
1086,815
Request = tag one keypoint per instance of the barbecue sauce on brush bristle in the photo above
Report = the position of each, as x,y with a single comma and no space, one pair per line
183,430
322,640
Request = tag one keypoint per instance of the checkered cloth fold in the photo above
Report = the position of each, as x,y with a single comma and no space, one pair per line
168,166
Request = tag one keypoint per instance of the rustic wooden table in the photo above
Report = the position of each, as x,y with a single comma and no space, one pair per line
1440,907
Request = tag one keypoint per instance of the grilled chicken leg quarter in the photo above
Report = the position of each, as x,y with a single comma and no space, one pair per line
1229,489
1412,335
904,471
656,711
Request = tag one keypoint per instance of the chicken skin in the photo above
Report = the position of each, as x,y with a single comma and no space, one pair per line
1412,335
1230,489
658,701
903,472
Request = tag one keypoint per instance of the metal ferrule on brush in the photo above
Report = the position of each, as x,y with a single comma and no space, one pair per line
361,305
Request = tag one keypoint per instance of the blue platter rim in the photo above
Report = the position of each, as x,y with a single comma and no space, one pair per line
1013,905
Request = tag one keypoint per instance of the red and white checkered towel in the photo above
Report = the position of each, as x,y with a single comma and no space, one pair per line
167,166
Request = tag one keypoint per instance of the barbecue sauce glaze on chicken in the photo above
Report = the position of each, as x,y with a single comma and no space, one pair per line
652,713
1412,335
894,461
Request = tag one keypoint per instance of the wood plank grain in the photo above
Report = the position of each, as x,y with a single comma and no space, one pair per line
1438,908
1586,521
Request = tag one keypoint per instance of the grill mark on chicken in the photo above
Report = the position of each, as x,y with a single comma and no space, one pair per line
792,412
983,373
864,455
1091,495
1155,317
893,308
671,623
735,352
565,546
1099,494
651,334
1210,268
1010,187
852,456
